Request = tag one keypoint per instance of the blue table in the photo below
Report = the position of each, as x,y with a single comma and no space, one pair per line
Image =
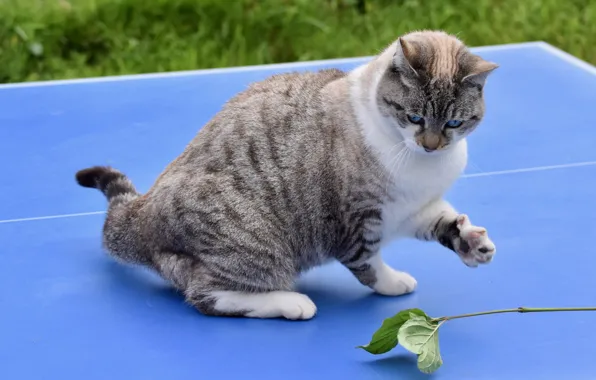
69,312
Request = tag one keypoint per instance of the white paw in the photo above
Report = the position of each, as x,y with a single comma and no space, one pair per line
297,306
394,283
474,246
290,305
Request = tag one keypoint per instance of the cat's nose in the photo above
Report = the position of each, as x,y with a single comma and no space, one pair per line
430,146
430,141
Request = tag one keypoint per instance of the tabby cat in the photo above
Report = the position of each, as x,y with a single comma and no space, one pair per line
305,168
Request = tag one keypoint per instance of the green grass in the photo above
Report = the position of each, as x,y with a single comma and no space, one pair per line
56,39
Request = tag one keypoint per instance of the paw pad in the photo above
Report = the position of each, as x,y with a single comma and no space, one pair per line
475,246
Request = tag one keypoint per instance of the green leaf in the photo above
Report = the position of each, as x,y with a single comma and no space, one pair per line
420,335
385,338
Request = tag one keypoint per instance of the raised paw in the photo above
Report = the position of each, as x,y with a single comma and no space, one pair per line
474,247
390,282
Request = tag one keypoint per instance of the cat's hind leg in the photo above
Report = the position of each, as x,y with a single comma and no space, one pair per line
218,293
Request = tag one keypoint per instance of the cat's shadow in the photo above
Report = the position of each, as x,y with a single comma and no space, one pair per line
134,283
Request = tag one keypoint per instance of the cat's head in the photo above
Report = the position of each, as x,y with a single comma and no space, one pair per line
432,90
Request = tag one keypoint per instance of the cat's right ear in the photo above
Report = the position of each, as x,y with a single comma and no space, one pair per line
481,70
405,58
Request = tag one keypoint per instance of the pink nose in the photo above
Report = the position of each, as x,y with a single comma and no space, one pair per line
430,142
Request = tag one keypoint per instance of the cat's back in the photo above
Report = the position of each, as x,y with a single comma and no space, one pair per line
280,128
270,125
285,103
289,89
278,157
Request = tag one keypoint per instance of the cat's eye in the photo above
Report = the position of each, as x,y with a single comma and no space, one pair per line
416,119
453,123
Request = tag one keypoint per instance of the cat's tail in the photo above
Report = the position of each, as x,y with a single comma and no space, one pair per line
113,184
121,228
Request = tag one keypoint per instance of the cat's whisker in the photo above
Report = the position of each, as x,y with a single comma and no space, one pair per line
392,163
404,161
478,168
396,162
394,146
387,153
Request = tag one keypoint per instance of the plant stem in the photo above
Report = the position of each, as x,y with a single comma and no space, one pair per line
517,310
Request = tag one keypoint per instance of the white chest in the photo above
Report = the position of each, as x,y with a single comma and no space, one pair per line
419,180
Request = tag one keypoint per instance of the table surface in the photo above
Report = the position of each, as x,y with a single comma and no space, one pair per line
70,312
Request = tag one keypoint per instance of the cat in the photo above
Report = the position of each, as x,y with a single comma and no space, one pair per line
301,169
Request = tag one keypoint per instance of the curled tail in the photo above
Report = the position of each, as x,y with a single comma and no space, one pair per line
120,232
114,185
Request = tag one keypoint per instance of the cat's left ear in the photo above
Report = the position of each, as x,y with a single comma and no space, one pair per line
479,73
406,57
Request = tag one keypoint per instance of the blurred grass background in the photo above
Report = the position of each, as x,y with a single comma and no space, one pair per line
56,39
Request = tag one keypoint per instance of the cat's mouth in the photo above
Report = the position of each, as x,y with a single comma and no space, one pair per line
421,149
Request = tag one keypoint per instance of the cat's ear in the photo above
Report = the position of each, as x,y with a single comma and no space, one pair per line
406,57
481,70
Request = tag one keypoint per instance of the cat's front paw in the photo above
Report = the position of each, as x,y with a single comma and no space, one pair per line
474,247
391,282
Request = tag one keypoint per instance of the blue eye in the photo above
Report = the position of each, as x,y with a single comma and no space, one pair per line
454,123
416,119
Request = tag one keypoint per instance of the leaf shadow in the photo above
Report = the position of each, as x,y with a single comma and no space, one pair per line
404,364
